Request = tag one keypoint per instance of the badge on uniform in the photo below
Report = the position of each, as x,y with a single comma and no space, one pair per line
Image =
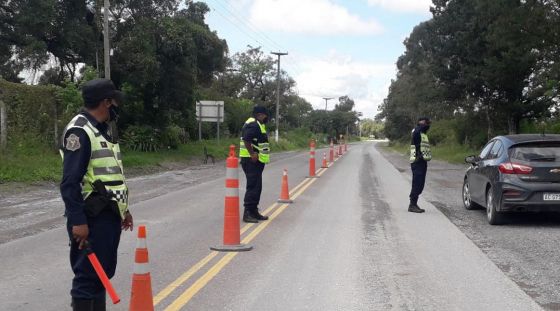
73,142
103,144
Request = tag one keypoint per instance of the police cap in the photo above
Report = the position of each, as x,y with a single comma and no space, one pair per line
96,90
260,109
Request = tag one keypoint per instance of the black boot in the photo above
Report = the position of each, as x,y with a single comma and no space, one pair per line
82,304
248,217
258,216
413,208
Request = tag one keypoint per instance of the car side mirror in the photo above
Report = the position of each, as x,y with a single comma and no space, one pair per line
472,159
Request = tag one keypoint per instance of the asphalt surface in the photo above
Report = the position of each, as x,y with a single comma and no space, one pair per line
347,243
525,248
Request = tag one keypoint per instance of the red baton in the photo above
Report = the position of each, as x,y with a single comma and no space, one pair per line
101,274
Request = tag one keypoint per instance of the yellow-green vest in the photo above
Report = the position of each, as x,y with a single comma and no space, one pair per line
262,148
425,149
105,164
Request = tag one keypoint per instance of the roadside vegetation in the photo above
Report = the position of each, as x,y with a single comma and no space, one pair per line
28,163
166,59
479,69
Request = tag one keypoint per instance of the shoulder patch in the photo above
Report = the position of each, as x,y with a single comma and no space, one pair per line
103,144
72,142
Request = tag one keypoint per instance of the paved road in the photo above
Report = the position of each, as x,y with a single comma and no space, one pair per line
347,243
526,249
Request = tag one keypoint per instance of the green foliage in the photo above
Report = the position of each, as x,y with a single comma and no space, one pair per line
142,138
483,63
32,113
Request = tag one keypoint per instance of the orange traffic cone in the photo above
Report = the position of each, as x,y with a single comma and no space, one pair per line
232,234
141,298
285,192
325,164
312,160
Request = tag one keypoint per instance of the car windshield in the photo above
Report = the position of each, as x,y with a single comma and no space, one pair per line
536,152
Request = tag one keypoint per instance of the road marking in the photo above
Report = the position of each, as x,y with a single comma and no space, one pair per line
199,284
199,265
183,278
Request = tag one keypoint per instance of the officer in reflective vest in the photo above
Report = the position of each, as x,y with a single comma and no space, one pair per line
94,191
254,152
420,155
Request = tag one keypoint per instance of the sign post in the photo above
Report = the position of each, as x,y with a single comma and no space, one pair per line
209,111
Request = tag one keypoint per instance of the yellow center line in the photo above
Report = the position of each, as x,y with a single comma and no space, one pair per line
183,278
199,265
187,295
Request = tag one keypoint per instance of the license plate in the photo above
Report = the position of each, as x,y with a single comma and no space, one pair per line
551,196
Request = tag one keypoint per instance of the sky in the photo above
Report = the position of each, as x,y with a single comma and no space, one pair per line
335,47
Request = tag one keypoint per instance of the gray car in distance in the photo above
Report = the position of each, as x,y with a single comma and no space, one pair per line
514,173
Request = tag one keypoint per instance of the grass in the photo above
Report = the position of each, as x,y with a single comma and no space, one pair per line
452,153
30,164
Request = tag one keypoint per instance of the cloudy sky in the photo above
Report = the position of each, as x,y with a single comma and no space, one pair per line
336,47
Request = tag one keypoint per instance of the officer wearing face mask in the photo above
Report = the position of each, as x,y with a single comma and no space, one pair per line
254,153
420,155
94,191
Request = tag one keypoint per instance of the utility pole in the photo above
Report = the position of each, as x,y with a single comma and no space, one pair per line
326,101
279,54
106,48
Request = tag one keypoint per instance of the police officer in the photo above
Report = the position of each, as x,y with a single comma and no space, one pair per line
420,155
254,153
94,191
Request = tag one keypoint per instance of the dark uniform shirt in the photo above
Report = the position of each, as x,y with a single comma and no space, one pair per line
74,168
417,140
250,133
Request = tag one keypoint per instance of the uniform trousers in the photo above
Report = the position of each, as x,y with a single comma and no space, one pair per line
419,170
104,237
253,172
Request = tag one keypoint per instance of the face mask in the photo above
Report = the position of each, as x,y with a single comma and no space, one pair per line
113,113
265,120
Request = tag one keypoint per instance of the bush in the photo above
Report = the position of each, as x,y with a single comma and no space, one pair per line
141,138
171,137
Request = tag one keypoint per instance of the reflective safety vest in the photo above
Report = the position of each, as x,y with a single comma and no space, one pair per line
260,145
105,164
424,148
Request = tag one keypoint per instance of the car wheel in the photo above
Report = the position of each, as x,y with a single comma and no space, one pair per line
467,199
494,217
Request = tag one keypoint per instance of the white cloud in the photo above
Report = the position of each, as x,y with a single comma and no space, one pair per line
338,75
411,6
321,17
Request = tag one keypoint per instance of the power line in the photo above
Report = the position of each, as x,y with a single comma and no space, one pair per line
250,25
294,68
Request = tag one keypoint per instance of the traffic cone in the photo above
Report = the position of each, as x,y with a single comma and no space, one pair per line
141,298
325,164
331,152
340,150
312,160
232,234
285,192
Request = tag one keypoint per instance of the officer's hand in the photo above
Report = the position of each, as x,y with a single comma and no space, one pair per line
80,234
254,157
127,223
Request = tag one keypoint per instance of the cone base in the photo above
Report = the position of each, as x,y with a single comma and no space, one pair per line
313,176
232,248
325,166
285,201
